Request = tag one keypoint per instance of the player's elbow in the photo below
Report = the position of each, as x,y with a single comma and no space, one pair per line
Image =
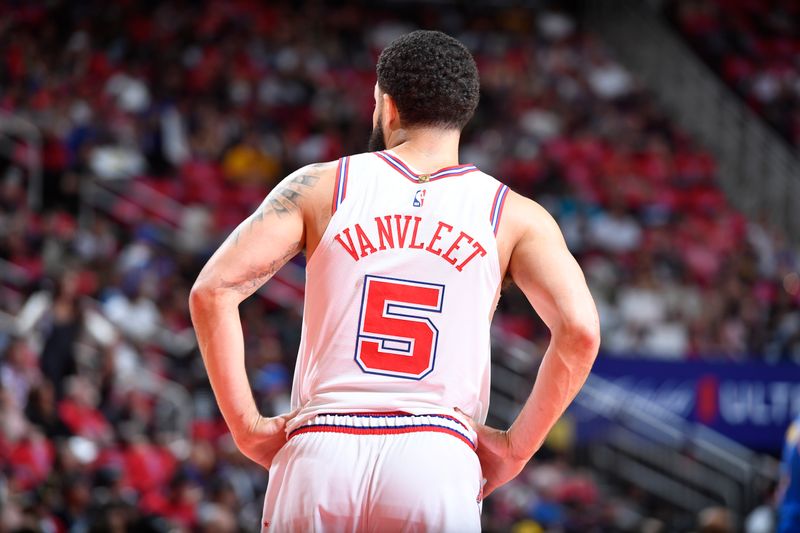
199,297
204,297
583,336
589,339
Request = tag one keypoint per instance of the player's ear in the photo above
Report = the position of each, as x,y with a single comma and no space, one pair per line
390,115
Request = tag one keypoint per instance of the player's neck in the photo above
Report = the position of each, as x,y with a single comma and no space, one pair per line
426,149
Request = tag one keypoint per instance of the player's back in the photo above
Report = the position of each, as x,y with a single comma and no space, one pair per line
400,292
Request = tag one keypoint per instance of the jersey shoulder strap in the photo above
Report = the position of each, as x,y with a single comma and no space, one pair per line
340,186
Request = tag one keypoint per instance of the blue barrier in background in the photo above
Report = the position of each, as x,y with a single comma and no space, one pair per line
751,403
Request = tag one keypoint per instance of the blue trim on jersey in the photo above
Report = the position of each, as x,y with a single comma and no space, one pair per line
400,168
341,182
498,207
406,349
408,173
407,426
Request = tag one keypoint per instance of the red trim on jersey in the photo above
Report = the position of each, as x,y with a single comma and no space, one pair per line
452,167
467,170
494,203
500,210
432,174
454,419
388,162
394,162
334,202
380,431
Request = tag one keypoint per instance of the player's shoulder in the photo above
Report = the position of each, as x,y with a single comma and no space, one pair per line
316,169
525,212
314,174
309,186
525,220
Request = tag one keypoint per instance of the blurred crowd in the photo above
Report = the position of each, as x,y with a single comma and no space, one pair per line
755,46
190,113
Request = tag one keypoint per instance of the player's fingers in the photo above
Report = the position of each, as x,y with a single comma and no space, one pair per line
277,424
288,416
469,419
489,437
271,426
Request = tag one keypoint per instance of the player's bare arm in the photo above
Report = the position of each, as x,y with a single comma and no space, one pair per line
536,256
288,221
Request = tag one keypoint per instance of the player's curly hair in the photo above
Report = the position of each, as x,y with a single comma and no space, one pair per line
432,78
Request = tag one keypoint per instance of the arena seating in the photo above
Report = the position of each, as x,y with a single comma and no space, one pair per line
178,121
754,47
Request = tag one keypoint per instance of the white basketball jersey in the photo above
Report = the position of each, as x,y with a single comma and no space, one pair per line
400,292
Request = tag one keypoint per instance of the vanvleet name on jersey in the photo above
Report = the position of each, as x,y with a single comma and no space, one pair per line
391,232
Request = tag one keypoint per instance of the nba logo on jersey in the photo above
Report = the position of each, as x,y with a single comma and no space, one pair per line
419,198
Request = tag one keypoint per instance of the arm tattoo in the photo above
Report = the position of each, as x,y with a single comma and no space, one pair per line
254,278
283,200
286,197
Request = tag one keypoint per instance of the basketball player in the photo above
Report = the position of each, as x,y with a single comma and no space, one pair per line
406,251
789,486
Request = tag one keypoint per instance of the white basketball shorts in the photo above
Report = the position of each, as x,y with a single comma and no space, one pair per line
375,472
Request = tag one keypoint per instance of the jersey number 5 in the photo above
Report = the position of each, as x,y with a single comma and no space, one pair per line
394,337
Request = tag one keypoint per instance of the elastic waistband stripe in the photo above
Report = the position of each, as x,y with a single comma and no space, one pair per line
392,430
395,414
387,424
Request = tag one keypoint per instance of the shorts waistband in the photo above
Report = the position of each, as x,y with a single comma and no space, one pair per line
388,423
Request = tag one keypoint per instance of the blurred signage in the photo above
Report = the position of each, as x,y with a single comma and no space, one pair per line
751,402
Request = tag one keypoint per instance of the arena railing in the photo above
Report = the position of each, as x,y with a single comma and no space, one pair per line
174,407
108,194
758,170
13,274
645,437
684,464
